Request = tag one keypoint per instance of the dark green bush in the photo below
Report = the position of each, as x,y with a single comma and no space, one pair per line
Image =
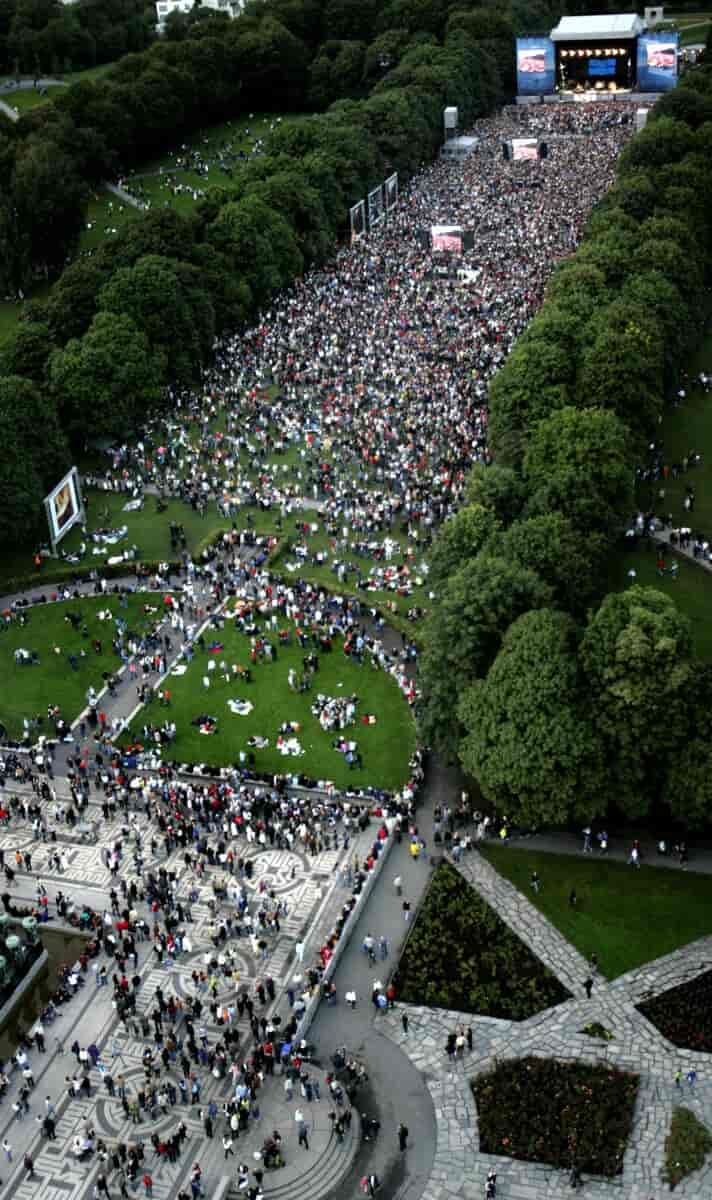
686,1146
461,955
565,1114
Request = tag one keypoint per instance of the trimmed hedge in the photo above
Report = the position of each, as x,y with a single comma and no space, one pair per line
461,955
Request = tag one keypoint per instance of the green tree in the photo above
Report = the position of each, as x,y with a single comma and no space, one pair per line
35,456
166,301
49,215
460,538
260,244
662,141
107,381
530,741
636,657
463,635
688,777
579,462
535,381
26,352
573,566
497,488
622,368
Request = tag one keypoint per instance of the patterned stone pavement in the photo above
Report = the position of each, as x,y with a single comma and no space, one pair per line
311,886
460,1168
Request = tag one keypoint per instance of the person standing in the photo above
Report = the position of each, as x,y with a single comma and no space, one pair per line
535,882
588,986
402,1137
404,1023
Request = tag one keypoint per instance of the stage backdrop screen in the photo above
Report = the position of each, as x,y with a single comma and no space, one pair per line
535,66
657,62
602,66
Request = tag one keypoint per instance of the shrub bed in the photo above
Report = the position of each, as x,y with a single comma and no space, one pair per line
596,1030
684,1014
585,1120
461,955
686,1146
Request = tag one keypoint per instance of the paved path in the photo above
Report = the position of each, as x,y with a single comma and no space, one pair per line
459,1167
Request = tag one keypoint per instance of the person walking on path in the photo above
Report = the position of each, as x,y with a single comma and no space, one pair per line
691,1078
588,986
7,1149
678,1079
30,1167
398,885
404,1023
402,1137
406,911
301,1128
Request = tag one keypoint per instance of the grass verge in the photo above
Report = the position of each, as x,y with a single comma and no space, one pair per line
626,917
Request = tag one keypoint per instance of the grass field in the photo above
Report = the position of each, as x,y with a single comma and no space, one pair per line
626,916
385,746
105,215
206,159
27,690
24,99
691,591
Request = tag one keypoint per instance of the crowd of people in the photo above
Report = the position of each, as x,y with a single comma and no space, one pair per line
360,397
362,392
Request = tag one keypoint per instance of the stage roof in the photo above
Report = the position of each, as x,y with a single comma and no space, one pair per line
607,25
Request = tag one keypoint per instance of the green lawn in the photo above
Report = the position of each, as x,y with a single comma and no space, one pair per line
217,148
626,917
11,310
385,746
146,529
692,590
27,690
25,99
105,215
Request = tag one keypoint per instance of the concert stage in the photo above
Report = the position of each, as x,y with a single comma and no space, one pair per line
611,57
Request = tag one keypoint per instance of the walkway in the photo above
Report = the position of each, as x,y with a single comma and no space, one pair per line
459,1167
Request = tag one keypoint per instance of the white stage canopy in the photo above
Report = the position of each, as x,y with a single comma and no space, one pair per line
606,26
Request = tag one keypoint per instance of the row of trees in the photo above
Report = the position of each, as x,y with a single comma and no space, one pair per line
141,314
44,36
559,699
98,128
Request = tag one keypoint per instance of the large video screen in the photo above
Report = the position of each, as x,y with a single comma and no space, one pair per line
602,66
657,62
535,66
64,505
446,237
524,149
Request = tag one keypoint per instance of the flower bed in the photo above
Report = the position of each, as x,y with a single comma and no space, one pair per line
686,1146
564,1114
684,1014
461,955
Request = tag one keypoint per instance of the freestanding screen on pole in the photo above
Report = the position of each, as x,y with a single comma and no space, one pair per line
64,506
657,62
536,74
376,211
390,187
358,220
